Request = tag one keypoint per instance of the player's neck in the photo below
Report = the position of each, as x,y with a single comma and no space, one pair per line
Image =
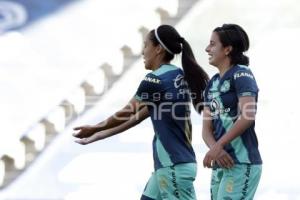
223,68
159,64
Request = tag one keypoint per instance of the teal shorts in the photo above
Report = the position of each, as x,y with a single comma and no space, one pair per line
237,183
175,182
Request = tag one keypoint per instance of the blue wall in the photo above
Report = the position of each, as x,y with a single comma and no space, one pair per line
16,14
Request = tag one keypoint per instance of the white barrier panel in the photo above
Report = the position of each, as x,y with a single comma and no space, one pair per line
55,121
38,135
94,83
15,153
171,6
2,172
77,100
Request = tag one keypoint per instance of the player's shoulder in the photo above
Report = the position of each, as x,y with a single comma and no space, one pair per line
242,71
166,69
152,78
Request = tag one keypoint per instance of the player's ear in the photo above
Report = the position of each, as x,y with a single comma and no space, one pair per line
159,49
227,50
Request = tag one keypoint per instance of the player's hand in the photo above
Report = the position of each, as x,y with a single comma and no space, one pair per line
84,131
224,160
212,155
95,137
217,155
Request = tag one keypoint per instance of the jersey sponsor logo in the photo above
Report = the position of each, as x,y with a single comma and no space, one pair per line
174,182
152,80
244,94
243,74
179,81
216,108
246,183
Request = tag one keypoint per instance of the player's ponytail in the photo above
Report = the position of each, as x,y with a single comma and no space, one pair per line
195,75
168,37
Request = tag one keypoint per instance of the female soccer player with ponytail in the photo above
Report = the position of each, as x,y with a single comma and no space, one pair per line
165,97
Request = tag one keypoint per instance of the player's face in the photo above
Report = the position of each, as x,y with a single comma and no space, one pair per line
149,53
216,52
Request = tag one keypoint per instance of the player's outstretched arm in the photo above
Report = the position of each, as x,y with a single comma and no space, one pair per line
115,120
134,120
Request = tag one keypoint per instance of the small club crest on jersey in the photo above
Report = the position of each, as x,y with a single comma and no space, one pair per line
225,86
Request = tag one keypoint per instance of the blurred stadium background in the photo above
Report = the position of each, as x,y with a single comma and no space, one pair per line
65,63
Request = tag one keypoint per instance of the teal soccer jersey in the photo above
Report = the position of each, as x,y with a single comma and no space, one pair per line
166,94
221,96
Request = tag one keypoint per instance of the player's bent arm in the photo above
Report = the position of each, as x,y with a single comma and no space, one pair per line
223,159
207,128
247,106
134,120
